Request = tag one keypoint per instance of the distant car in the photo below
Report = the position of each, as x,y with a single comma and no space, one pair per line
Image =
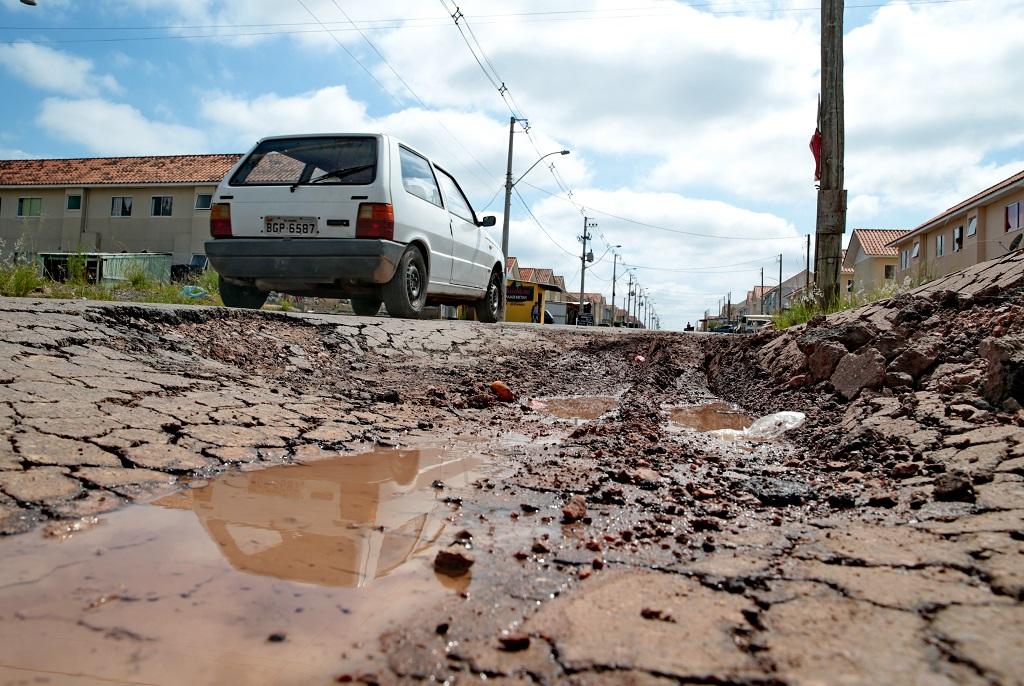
548,319
362,217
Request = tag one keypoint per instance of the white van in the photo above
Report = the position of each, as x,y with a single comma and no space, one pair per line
357,216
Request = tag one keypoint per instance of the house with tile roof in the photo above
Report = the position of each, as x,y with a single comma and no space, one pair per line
110,204
985,226
872,258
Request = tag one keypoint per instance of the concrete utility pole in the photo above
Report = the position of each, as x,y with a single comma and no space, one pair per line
629,297
728,308
760,308
615,258
831,219
807,270
508,187
780,282
583,264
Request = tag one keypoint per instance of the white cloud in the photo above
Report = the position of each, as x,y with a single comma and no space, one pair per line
472,145
707,269
48,69
108,128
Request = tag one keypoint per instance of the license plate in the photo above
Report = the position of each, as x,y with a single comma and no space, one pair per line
290,226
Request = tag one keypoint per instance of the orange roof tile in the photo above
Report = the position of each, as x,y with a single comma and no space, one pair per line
875,242
99,171
526,274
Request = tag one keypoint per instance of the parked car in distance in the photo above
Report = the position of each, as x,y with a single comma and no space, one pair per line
357,216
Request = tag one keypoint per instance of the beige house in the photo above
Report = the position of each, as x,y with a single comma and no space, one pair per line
982,227
871,257
110,204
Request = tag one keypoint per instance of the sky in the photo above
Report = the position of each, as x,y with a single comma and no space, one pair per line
687,123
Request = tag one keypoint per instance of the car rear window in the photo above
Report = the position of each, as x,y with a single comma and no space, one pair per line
285,161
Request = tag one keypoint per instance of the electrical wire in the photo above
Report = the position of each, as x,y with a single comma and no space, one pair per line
590,208
541,226
399,76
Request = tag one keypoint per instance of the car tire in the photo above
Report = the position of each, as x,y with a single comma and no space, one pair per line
491,308
405,295
244,297
366,306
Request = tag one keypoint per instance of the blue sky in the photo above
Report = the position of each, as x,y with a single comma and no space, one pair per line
693,118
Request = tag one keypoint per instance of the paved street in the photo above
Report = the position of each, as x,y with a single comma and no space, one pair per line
303,473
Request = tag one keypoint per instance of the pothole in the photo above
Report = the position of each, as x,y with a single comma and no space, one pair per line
581,407
710,417
326,555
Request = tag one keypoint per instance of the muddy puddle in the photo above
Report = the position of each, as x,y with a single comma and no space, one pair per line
580,408
710,417
279,576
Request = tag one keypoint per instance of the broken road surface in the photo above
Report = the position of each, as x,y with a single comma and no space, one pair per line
210,496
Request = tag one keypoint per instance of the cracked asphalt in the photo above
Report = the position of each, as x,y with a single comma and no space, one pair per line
378,514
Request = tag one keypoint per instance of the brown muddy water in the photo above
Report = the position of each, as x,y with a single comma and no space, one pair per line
583,408
710,417
279,576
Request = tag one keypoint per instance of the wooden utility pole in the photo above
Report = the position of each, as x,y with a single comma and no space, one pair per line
831,221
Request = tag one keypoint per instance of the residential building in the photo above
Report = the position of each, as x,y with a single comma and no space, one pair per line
512,269
982,227
111,204
871,257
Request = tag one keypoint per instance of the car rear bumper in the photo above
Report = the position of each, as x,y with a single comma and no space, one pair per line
310,260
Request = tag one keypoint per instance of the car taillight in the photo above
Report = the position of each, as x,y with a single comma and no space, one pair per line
220,220
375,220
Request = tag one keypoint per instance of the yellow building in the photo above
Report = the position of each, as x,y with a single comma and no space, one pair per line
982,227
521,297
872,258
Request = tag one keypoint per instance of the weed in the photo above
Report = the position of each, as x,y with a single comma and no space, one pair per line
138,279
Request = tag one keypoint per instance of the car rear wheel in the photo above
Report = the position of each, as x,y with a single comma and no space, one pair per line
366,306
245,297
406,294
489,309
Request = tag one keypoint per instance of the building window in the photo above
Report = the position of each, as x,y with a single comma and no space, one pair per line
904,259
890,270
30,207
958,239
74,202
160,206
849,285
916,250
972,226
203,201
1013,216
940,245
121,206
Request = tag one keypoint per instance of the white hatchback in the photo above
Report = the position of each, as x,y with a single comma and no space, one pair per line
357,216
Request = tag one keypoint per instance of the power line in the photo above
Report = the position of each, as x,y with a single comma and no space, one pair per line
403,81
541,226
590,208
410,89
392,23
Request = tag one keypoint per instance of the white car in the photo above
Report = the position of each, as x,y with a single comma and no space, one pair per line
357,216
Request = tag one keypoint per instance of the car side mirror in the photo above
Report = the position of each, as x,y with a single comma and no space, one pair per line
489,220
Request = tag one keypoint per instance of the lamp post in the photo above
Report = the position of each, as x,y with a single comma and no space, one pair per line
509,185
615,258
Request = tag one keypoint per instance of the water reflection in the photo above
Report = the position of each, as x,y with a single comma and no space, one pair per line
337,522
710,417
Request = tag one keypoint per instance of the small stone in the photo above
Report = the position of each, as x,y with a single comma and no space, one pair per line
857,372
540,548
898,380
953,486
703,493
841,501
798,381
503,392
453,561
575,509
513,642
905,470
658,615
882,500
277,637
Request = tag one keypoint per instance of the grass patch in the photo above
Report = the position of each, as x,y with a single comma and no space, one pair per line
802,311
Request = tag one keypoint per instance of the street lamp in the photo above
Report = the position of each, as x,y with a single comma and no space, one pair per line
615,259
509,185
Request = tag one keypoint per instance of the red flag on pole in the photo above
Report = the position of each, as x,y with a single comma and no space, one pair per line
816,144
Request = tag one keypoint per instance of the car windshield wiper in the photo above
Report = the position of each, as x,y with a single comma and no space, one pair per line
334,173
